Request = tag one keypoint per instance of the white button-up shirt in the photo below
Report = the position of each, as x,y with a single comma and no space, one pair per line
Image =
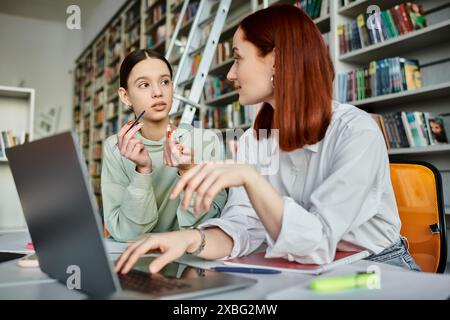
337,193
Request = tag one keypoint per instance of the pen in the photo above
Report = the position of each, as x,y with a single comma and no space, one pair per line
340,283
134,124
245,270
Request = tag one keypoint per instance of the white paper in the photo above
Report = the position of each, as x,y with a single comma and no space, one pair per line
395,285
15,242
112,246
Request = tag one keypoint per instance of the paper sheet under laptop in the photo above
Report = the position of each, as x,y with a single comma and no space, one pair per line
16,242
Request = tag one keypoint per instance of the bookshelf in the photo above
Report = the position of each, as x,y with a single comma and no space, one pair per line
156,22
17,113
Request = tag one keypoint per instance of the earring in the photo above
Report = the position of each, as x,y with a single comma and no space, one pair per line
271,80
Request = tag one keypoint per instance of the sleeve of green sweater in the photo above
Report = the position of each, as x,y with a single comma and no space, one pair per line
129,204
211,151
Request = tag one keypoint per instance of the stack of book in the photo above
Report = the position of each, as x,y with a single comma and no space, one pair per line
411,129
390,75
367,30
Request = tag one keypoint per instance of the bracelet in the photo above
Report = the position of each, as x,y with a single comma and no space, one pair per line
202,244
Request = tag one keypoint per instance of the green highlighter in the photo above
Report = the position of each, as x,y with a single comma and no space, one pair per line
340,283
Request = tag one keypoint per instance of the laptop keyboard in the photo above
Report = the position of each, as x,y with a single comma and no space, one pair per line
144,282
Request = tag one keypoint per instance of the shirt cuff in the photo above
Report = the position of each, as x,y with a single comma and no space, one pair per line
300,233
230,229
141,180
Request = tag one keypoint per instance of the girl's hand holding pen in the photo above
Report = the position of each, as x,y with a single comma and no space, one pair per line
177,155
133,149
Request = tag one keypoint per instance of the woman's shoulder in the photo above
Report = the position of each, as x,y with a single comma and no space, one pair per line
350,118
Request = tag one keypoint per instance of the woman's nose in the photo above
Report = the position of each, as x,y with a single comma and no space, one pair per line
231,76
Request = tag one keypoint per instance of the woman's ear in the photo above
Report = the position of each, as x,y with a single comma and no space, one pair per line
271,60
123,95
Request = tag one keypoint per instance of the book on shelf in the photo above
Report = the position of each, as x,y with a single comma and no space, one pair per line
112,127
94,169
196,63
367,30
112,110
411,129
156,37
224,51
216,86
229,116
99,116
2,147
314,8
97,151
132,16
191,11
155,14
381,77
96,184
8,140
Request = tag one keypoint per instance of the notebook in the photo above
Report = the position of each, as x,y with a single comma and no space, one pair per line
257,260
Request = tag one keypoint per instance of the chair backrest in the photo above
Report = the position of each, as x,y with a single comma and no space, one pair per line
418,191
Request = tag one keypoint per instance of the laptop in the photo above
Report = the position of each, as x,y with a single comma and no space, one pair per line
65,226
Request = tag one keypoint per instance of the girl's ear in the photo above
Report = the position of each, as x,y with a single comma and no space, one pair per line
123,95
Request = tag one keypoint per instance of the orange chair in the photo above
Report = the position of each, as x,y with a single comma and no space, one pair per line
418,191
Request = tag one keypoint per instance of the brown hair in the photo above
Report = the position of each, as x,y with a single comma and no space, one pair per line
303,77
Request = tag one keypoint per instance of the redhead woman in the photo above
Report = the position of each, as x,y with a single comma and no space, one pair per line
321,183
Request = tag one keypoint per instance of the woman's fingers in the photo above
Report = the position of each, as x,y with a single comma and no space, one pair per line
194,183
164,259
181,184
213,190
149,244
124,256
203,191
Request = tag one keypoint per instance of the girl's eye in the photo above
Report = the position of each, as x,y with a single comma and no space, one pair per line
166,82
143,85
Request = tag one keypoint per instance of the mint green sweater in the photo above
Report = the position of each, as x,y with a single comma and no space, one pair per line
134,203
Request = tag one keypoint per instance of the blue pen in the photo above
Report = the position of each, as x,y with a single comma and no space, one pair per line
245,270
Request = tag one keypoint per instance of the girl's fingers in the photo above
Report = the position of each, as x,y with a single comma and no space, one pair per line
167,155
130,135
122,131
136,150
130,146
181,184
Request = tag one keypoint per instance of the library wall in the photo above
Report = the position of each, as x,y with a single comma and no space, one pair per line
40,55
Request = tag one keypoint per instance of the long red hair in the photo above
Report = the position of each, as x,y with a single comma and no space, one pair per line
303,78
